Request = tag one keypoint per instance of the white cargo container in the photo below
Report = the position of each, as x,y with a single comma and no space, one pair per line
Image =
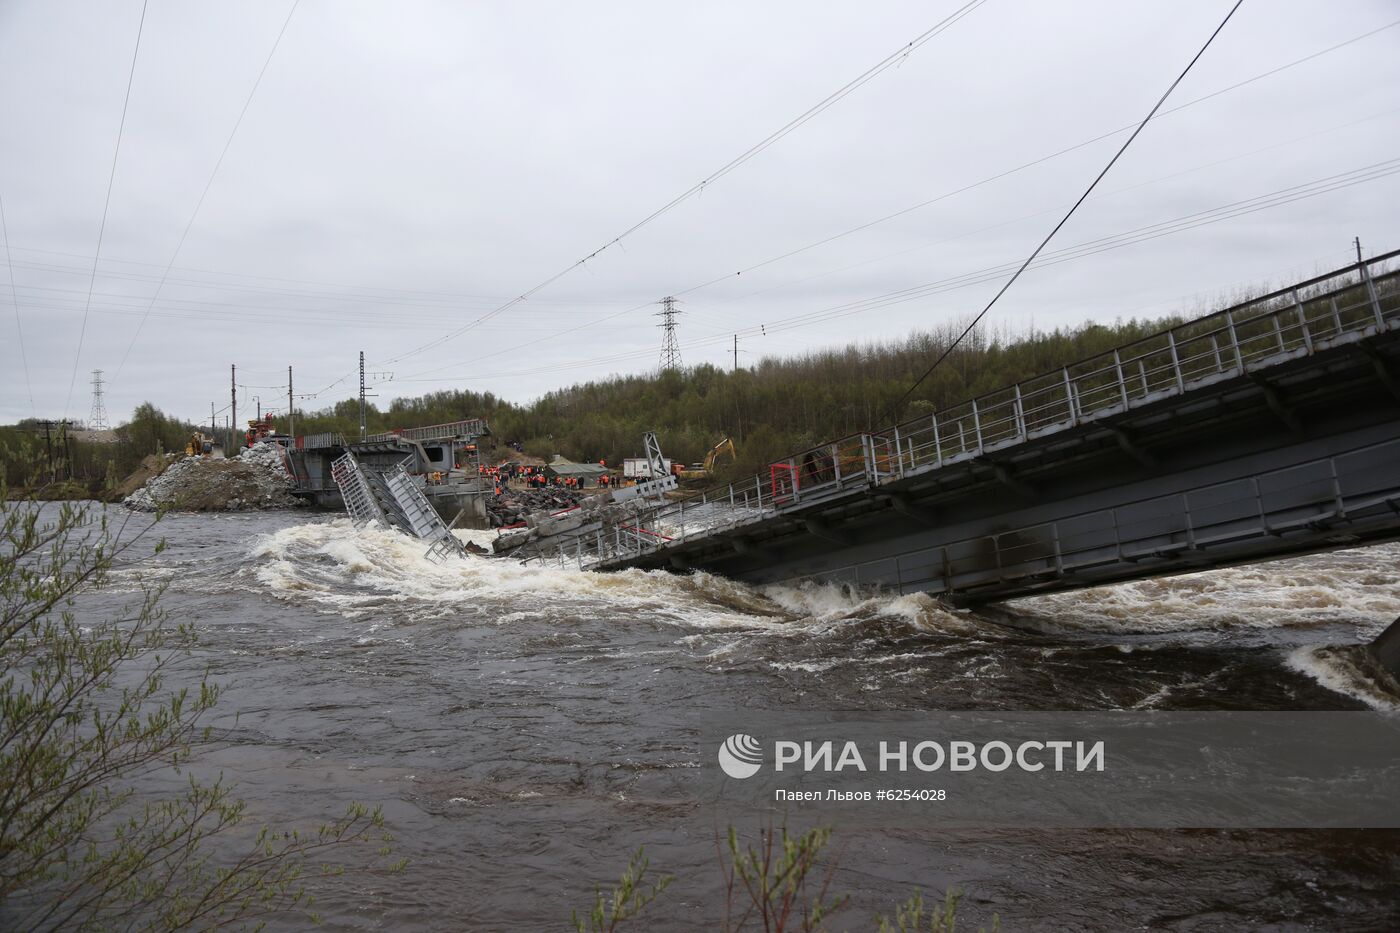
636,468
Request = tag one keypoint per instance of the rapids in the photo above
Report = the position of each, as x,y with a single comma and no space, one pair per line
518,724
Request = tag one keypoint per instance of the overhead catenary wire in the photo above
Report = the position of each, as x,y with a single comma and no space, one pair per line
1088,248
14,294
866,225
1070,213
1050,210
447,301
209,184
973,185
106,203
1102,244
450,302
1278,197
845,90
367,293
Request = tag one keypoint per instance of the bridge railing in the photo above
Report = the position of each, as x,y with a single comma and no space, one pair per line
472,427
1344,305
319,441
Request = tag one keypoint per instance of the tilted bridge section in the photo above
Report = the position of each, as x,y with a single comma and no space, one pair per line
1269,429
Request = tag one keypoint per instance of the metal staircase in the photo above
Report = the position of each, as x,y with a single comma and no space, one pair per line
394,499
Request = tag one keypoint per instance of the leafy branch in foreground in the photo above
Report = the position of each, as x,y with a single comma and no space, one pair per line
87,717
628,900
913,917
773,878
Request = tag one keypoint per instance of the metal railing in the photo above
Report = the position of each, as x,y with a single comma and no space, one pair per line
355,491
472,427
1340,307
319,441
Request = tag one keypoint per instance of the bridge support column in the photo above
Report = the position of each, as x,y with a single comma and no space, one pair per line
1386,649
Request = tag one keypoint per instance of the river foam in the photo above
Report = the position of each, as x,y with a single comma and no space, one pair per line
1326,603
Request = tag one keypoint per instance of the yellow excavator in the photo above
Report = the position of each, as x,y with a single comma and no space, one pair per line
703,470
202,445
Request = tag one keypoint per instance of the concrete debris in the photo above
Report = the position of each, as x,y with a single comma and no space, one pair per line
255,480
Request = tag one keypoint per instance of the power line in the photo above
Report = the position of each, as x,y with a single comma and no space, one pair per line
14,294
1070,213
1025,165
97,418
1096,246
106,203
446,301
845,90
990,274
670,350
1003,174
1277,198
1050,210
1190,221
207,185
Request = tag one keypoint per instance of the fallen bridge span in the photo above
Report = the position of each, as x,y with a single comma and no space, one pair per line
1268,429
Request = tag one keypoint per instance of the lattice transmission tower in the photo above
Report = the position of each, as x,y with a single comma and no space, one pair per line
670,349
97,419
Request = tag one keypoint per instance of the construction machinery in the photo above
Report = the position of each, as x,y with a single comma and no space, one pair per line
202,445
259,429
704,470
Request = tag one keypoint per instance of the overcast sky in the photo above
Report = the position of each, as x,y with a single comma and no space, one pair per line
405,168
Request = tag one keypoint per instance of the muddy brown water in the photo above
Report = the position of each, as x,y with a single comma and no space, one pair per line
516,723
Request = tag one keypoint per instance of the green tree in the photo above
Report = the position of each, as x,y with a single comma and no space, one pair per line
86,714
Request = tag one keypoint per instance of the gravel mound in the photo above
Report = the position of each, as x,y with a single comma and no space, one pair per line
252,481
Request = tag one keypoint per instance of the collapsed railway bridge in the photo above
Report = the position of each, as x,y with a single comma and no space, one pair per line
1268,429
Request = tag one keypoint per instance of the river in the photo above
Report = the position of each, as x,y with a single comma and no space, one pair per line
514,722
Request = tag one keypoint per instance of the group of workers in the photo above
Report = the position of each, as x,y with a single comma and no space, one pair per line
535,477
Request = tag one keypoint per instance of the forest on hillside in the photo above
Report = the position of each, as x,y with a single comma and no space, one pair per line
776,407
772,409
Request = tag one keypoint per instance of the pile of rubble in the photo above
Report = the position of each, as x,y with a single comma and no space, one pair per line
513,505
254,480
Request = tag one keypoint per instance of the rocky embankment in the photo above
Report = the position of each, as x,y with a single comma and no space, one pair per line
252,481
514,504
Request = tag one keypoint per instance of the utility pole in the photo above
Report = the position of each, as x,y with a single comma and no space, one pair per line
291,412
97,420
67,447
233,402
213,425
1357,241
362,395
670,350
48,447
736,353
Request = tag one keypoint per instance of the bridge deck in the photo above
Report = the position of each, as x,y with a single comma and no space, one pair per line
1264,429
